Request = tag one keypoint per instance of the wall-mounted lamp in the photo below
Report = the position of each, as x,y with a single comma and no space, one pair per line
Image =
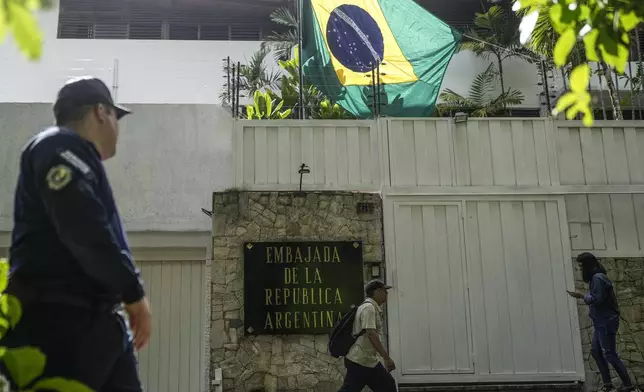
208,213
460,117
375,271
303,170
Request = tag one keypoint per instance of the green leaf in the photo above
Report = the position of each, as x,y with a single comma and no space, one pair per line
25,364
4,274
11,307
564,46
629,20
590,43
556,14
565,101
279,106
579,78
3,24
524,4
269,106
578,100
61,385
613,52
260,104
25,28
286,113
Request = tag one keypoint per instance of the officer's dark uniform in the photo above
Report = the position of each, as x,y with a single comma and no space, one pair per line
70,261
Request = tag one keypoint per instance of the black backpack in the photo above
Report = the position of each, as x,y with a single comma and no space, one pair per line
341,338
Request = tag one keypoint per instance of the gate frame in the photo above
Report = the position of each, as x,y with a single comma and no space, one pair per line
391,199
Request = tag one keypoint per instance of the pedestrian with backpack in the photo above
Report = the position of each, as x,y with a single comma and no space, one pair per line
363,357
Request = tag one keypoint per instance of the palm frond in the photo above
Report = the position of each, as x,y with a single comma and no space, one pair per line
255,65
284,16
281,44
254,75
509,98
480,102
483,85
514,97
454,100
481,112
544,36
493,20
495,32
479,48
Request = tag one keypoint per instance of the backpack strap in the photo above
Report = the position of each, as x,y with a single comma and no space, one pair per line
362,332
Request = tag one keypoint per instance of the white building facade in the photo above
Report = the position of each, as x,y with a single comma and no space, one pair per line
177,148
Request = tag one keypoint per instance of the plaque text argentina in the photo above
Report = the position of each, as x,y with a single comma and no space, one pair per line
300,287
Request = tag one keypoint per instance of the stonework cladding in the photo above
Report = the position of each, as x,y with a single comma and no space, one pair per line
279,363
628,277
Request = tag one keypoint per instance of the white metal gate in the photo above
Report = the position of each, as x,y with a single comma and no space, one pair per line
480,290
430,288
175,361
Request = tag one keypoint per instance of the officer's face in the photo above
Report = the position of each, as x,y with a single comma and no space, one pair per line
109,131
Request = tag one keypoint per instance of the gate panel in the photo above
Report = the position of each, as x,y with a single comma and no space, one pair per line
523,316
480,290
433,308
174,361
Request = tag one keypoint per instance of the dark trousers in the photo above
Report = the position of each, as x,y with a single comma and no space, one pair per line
604,351
80,344
378,379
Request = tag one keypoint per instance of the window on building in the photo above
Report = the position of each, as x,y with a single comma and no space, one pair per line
241,20
214,32
110,29
183,31
457,13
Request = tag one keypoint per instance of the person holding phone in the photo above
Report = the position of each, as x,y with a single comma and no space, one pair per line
604,313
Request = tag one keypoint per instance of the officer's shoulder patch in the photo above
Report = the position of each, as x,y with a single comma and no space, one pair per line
58,177
75,161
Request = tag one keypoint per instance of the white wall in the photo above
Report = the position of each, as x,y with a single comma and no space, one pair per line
176,71
184,71
148,71
518,75
170,159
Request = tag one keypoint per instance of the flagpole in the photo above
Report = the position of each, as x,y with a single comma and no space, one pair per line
299,56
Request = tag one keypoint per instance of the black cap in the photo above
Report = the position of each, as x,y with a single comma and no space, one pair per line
375,285
83,92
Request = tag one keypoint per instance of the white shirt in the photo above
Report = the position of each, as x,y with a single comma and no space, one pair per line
368,316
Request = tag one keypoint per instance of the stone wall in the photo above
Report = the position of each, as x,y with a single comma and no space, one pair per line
628,277
279,363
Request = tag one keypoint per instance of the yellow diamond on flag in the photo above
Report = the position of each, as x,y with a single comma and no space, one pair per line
394,66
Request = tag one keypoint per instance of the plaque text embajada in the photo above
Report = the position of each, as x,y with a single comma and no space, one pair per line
300,287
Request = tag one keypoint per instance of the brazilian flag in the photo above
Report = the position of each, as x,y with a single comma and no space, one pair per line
344,40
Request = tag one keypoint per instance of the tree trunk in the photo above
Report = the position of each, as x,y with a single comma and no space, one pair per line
612,89
564,78
500,61
630,75
640,66
601,92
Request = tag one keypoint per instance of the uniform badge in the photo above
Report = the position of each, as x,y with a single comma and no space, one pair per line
58,177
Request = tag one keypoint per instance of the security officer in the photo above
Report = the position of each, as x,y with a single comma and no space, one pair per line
71,266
